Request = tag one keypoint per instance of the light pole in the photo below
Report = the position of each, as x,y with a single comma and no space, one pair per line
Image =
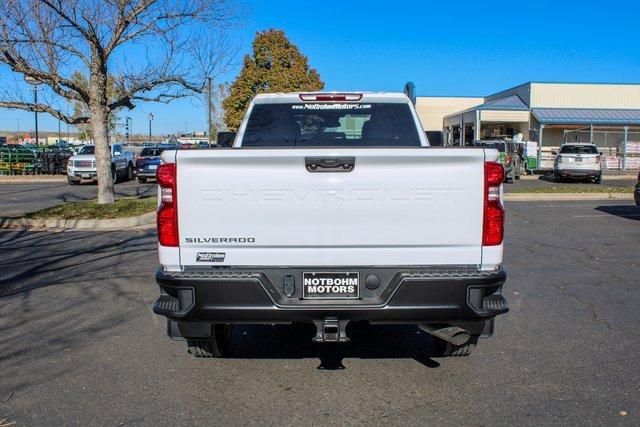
34,82
59,137
128,127
18,127
150,120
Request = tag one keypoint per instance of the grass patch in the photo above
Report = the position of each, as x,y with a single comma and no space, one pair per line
574,189
123,208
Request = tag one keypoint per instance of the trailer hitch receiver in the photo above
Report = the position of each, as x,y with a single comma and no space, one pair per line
331,330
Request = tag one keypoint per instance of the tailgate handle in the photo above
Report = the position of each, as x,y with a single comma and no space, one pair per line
329,164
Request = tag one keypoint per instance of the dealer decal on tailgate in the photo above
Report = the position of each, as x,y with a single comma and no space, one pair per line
210,257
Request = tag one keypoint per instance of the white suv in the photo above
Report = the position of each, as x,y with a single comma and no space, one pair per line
581,161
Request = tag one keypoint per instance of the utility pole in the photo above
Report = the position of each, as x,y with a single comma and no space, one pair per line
18,128
209,108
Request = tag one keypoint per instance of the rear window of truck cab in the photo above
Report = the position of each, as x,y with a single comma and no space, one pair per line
151,152
331,125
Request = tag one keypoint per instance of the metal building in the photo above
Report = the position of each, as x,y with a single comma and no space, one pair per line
547,113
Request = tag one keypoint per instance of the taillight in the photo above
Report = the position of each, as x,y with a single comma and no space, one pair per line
508,158
493,223
167,216
598,159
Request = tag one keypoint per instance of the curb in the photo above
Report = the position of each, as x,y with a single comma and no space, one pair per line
605,177
147,219
542,197
31,179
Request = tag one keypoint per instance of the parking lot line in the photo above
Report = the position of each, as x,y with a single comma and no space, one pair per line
605,215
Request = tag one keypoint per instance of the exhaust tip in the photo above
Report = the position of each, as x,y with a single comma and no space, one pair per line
451,334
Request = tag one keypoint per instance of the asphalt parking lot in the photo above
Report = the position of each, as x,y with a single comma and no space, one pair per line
80,344
16,199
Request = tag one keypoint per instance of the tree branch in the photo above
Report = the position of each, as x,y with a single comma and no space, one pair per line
86,34
42,108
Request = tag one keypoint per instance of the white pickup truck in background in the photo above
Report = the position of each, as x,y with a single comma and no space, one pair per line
82,166
331,208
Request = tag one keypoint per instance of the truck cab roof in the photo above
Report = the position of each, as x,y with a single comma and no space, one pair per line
272,98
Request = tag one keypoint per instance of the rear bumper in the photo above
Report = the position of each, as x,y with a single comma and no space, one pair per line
411,295
578,172
83,174
146,174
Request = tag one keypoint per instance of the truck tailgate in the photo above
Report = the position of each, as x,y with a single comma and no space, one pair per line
262,207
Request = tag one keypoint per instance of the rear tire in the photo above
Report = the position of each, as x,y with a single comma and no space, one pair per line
446,349
216,346
142,180
130,172
72,181
114,175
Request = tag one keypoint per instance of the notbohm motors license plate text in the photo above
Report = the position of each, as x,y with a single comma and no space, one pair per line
330,285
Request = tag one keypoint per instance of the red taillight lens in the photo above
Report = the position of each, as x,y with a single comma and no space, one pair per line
493,223
598,159
493,174
508,158
167,216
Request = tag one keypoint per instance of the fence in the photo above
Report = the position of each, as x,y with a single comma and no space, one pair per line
17,160
617,154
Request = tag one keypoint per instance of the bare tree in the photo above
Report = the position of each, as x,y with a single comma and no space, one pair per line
152,51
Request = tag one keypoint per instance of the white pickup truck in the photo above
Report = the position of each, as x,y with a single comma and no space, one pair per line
330,208
82,166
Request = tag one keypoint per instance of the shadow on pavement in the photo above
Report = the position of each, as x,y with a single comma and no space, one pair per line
33,269
631,212
367,342
60,292
547,177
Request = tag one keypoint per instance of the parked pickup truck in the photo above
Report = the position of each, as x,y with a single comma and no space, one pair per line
149,159
330,208
82,166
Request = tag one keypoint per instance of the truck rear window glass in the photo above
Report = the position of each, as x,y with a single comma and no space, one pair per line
331,125
578,149
151,152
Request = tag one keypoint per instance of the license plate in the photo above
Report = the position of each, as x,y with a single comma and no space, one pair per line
85,176
330,285
578,159
153,167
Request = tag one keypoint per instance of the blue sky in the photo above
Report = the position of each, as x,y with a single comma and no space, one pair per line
445,48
